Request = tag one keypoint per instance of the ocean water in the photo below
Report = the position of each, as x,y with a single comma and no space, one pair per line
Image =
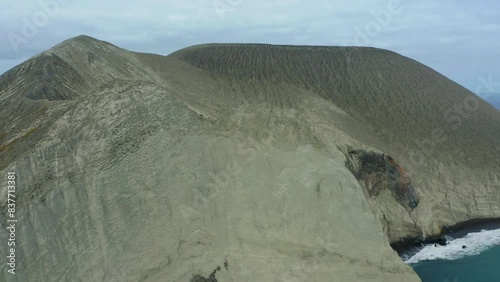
478,262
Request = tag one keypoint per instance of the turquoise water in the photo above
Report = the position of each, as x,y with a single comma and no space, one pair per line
484,267
479,261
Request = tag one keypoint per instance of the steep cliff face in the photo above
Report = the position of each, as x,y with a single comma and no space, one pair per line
383,179
232,163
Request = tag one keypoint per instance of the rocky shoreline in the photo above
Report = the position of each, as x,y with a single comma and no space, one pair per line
410,246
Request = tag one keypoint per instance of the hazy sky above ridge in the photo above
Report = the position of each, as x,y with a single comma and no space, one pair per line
459,38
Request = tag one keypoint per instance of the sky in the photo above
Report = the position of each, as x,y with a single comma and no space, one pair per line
458,38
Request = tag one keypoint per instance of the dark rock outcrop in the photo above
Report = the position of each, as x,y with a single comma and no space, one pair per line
211,277
379,171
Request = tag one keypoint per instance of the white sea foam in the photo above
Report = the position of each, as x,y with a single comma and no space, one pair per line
475,243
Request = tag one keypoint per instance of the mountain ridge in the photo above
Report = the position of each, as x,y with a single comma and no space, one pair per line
300,159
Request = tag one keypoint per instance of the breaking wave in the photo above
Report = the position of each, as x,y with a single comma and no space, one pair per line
475,243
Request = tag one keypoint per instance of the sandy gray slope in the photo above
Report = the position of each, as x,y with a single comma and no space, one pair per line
137,187
138,167
438,141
